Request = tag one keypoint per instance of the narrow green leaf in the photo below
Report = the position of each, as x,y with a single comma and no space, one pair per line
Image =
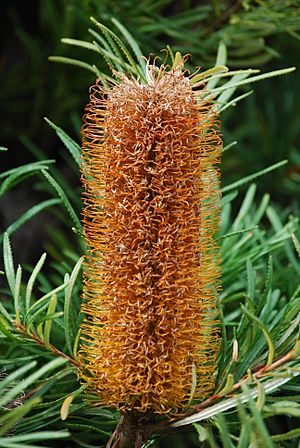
293,434
263,434
228,385
221,60
9,263
293,307
112,37
233,73
171,53
39,330
280,72
293,325
177,60
41,435
228,198
39,302
224,431
268,284
251,177
5,314
25,168
194,385
9,379
48,323
245,207
30,320
210,439
233,102
79,43
63,198
223,97
76,62
223,348
296,243
69,143
90,428
6,443
261,397
65,408
17,293
201,76
279,228
237,232
265,332
51,316
229,146
6,328
68,316
76,344
33,211
105,51
201,432
132,42
246,427
251,280
100,40
261,209
112,61
230,403
19,173
32,280
9,419
22,385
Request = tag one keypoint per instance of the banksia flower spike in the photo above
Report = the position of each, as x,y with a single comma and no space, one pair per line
151,208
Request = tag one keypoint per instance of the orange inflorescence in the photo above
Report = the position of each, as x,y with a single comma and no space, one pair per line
150,335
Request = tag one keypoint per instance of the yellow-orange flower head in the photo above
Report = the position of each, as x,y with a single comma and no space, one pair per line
150,335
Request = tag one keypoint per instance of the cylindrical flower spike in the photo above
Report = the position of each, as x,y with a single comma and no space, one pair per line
151,195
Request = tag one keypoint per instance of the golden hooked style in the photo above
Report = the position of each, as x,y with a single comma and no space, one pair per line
151,208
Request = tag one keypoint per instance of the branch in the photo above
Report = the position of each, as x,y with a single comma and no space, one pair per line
23,330
262,372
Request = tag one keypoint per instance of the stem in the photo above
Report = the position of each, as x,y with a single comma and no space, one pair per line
132,431
258,374
23,330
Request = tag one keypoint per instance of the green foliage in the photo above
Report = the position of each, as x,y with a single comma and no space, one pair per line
250,30
243,27
258,366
